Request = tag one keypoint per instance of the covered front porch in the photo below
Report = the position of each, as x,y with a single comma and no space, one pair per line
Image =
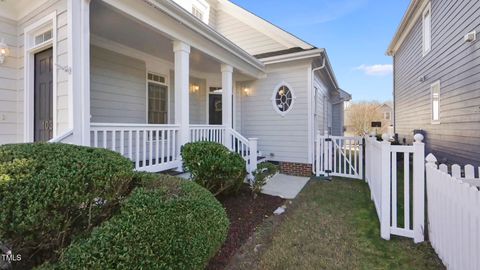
155,84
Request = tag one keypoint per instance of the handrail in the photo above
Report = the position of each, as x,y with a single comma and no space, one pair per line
238,136
131,125
62,137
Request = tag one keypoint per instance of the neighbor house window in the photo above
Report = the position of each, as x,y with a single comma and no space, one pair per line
427,29
435,92
157,99
283,98
386,115
197,13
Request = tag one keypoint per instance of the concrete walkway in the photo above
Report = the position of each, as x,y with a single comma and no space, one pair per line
285,186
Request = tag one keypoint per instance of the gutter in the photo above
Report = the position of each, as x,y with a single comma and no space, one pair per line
292,56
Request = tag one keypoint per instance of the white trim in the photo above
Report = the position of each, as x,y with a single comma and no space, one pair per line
435,121
46,22
274,104
292,56
428,10
312,98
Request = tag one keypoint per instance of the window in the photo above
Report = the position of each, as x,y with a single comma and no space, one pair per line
43,37
157,99
197,13
386,115
435,92
427,30
283,98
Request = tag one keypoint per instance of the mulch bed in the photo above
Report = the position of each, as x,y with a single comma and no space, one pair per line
245,214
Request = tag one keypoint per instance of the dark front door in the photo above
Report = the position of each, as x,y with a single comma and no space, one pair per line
43,96
215,109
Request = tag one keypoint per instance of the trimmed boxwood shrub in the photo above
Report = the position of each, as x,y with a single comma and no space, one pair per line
49,193
167,223
214,167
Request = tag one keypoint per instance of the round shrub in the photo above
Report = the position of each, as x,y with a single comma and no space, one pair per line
168,223
50,193
214,167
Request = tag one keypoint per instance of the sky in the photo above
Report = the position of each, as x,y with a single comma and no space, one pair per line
355,33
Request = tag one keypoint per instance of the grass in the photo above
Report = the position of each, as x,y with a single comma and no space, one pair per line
332,225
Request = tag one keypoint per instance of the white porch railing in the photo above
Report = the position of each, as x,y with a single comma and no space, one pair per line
153,148
381,176
454,214
247,148
211,133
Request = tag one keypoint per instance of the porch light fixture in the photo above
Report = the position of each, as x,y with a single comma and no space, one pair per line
3,51
194,88
247,91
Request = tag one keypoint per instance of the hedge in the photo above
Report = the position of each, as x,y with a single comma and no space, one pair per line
168,223
50,193
214,166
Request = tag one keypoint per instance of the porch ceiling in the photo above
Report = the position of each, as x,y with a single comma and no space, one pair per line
110,24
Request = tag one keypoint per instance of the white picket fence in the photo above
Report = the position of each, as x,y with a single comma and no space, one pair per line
381,174
454,214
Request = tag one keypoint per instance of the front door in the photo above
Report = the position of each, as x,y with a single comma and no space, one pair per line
215,109
43,96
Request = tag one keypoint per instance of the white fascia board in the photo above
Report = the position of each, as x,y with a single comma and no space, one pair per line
292,56
188,20
260,24
413,13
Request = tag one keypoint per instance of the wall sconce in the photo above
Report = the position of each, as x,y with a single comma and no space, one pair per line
246,90
194,88
3,51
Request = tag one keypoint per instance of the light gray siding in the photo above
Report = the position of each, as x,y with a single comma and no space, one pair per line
456,64
198,102
10,116
118,88
281,138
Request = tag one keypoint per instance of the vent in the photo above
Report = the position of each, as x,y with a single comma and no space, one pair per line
43,37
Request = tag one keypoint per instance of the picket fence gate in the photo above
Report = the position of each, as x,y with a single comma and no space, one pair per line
387,186
339,156
454,214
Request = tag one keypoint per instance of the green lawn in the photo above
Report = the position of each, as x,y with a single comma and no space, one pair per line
331,225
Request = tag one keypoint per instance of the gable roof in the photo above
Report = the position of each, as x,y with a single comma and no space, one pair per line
409,19
274,32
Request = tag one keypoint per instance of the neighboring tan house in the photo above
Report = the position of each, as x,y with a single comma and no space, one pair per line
380,122
144,77
436,56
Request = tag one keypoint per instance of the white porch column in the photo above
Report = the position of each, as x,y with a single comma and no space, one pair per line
182,78
79,61
227,90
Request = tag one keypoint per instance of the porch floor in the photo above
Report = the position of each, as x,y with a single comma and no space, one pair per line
285,186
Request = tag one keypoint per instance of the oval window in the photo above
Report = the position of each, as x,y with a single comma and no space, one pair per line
282,98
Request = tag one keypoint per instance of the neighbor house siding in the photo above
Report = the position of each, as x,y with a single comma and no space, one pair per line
245,36
10,106
280,138
118,88
456,64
